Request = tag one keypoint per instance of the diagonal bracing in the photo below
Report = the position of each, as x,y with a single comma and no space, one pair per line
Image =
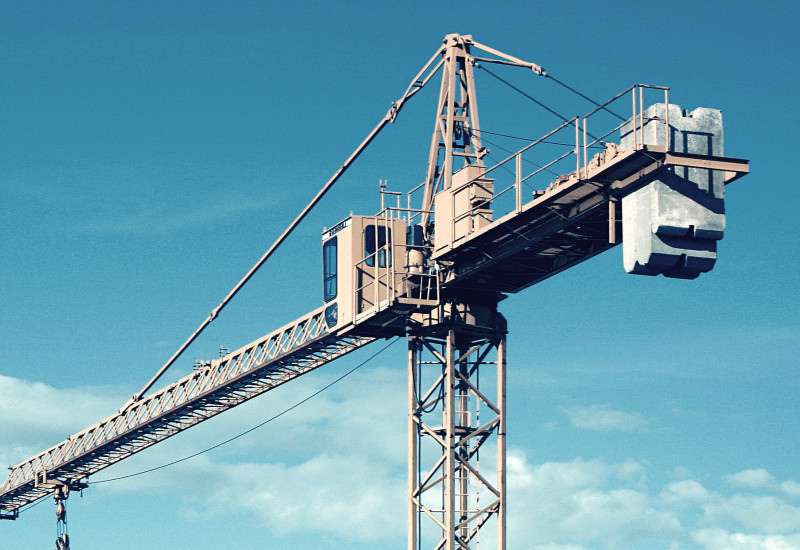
456,409
270,361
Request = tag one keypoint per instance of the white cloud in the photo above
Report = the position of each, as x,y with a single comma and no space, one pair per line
765,514
687,492
558,547
343,495
582,503
596,504
336,466
340,421
681,473
717,539
324,467
603,418
755,479
791,488
35,416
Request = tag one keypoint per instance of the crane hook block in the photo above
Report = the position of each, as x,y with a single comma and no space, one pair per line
671,225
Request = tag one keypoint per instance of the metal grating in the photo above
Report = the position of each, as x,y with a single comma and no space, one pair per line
274,359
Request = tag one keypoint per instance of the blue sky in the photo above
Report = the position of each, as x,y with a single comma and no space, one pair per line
152,152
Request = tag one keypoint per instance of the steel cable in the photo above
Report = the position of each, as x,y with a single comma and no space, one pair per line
590,100
507,83
557,81
257,426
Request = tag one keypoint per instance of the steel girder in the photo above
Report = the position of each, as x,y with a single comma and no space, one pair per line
454,413
268,362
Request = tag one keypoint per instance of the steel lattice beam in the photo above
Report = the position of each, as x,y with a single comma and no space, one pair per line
260,366
451,417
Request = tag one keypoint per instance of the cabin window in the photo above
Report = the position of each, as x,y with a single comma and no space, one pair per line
376,239
329,269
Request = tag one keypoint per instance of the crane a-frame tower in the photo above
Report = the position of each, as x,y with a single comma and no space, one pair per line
434,270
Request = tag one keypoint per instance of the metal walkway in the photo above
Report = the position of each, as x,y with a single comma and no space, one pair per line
564,225
274,359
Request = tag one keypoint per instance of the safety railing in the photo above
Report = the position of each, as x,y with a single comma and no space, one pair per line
396,270
566,152
419,276
560,153
375,277
634,125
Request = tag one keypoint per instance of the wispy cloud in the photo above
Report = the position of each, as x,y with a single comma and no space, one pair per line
719,539
603,418
141,200
761,512
327,469
582,502
686,492
330,471
758,478
35,416
165,219
596,504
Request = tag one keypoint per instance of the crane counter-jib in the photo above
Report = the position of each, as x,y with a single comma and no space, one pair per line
564,225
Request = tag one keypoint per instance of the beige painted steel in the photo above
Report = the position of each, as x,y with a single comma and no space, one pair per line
457,341
416,84
463,208
370,283
413,447
260,366
607,175
501,442
457,109
454,500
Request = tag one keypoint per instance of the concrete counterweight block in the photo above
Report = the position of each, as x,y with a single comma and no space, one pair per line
671,225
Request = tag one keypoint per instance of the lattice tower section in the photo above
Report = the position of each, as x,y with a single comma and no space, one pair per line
456,430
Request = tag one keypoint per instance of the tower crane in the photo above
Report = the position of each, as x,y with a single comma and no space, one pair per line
433,269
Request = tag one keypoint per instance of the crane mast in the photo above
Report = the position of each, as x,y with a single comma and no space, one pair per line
436,274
